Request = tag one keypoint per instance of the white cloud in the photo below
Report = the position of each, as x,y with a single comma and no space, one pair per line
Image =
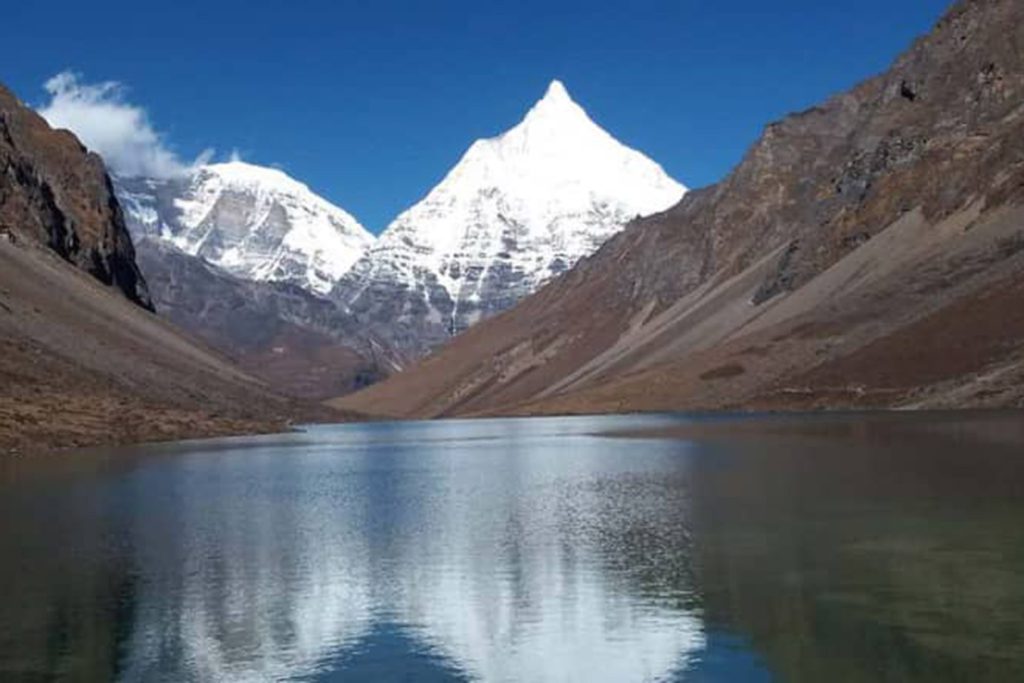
117,130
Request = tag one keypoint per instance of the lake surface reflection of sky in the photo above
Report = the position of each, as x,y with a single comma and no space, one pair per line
494,550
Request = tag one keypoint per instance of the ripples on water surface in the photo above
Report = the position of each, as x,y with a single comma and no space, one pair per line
844,548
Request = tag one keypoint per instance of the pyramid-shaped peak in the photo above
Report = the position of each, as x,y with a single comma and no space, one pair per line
556,109
557,98
557,91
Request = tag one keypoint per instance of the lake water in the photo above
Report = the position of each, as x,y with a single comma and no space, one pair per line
805,548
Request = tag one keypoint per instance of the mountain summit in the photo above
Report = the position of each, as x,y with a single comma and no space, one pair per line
257,223
516,210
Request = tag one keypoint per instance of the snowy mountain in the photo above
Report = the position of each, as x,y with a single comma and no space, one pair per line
254,222
514,212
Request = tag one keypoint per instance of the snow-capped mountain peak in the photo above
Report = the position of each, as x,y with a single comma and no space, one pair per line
255,222
516,210
556,92
243,175
556,108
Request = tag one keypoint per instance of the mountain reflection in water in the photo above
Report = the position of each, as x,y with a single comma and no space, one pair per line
858,547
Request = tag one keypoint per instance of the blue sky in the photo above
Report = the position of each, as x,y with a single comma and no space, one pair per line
370,103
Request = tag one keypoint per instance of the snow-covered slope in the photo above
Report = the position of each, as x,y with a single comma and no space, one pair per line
515,211
254,222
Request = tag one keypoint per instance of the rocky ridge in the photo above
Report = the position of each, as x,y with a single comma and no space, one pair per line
56,194
863,254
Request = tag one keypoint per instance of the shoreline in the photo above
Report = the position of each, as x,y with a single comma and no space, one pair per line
62,444
704,425
161,426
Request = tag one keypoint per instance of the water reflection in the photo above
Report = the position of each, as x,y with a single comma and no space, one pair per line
476,551
855,548
878,548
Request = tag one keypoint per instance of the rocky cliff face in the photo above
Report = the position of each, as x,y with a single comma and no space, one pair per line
863,253
55,193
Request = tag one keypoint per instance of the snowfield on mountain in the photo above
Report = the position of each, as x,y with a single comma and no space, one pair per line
516,210
256,223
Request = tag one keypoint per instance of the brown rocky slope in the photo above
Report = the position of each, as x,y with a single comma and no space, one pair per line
297,342
82,358
868,252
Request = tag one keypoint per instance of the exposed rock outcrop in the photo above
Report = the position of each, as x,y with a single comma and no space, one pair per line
55,193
